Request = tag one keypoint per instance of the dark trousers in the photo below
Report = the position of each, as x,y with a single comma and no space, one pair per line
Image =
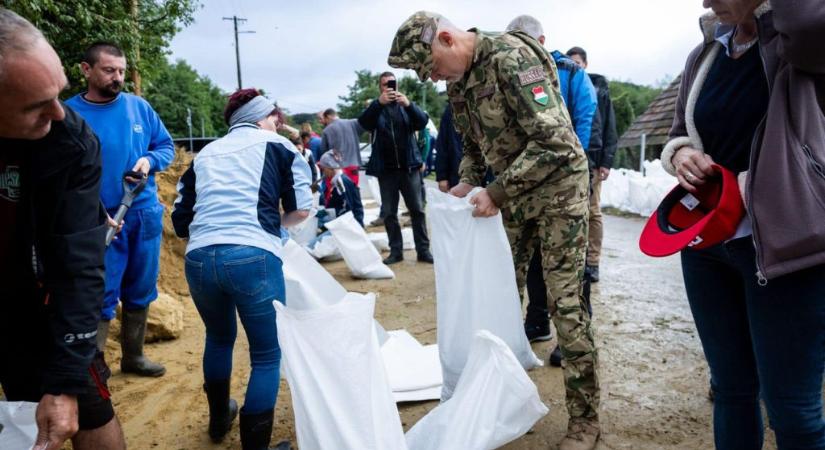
408,183
763,342
537,311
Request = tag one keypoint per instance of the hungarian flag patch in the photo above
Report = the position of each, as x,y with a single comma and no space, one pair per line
539,96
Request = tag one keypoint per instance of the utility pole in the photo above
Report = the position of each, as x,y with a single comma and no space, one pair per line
189,124
235,20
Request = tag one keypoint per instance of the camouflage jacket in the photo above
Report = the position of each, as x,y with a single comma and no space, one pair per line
510,113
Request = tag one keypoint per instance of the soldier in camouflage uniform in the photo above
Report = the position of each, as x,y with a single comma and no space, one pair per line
504,92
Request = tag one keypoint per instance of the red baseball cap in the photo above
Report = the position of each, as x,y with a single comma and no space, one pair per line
696,220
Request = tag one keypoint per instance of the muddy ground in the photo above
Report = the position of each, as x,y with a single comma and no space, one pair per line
654,378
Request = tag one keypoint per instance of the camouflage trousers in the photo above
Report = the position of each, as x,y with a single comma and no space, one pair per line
562,237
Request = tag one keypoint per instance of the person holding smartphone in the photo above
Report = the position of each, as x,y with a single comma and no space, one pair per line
395,160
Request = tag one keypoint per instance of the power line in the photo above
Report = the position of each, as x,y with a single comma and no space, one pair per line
235,20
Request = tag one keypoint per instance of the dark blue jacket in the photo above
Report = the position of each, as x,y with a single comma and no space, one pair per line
448,149
376,119
349,200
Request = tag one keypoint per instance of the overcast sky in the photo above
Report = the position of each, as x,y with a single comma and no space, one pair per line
304,53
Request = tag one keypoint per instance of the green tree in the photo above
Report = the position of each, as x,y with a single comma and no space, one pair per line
366,89
629,101
176,87
363,90
143,28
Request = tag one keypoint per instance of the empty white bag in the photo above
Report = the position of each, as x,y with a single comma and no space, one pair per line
308,284
382,242
340,393
475,284
494,403
18,428
360,254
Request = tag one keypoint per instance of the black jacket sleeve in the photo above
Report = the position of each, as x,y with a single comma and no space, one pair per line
418,118
369,118
441,142
610,139
183,211
72,250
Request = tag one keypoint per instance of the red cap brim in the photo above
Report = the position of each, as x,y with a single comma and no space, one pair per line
656,242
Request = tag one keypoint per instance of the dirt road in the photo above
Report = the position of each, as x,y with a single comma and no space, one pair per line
654,378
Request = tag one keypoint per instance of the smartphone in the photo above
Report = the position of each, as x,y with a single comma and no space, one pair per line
391,84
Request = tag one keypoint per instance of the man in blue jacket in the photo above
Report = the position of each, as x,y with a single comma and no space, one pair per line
580,98
132,138
396,162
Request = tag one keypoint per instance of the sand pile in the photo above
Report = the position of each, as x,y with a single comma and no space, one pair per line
171,279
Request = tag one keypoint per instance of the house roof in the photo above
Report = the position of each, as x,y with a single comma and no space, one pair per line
655,122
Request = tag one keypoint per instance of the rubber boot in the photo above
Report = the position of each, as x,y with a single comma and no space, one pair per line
256,432
222,409
132,334
102,335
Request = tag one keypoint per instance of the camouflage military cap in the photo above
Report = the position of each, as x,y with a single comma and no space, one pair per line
411,47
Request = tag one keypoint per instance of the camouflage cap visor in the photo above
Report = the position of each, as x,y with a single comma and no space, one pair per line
411,47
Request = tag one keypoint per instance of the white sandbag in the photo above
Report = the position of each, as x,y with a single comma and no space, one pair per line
362,258
305,231
475,284
18,428
420,395
410,365
495,402
340,393
371,214
308,284
375,190
382,242
614,189
325,249
629,191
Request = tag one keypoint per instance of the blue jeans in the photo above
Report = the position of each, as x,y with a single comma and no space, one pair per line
763,342
226,278
132,261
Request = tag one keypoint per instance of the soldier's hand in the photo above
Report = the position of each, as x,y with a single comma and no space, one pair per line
56,418
461,190
484,205
444,186
604,172
693,167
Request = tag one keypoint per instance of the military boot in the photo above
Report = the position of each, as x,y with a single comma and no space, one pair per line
582,434
132,334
